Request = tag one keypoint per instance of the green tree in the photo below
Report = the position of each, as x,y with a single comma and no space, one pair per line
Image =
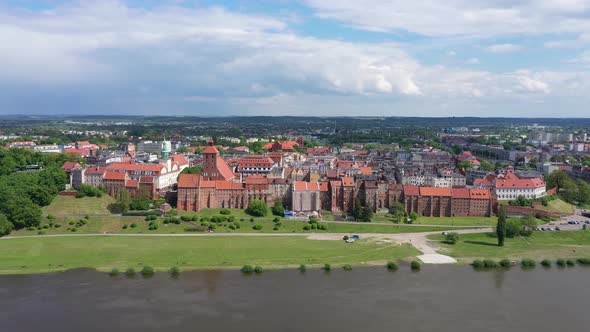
357,211
257,208
583,195
5,226
487,166
22,212
464,164
412,218
367,214
501,226
398,211
278,209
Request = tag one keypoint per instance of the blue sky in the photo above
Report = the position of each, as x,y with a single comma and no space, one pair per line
285,57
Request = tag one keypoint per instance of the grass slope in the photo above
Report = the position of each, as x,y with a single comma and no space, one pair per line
34,255
66,205
540,245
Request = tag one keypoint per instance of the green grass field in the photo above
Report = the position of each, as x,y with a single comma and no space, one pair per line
114,224
62,205
557,205
35,255
540,245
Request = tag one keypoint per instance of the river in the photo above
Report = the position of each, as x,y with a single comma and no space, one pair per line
438,298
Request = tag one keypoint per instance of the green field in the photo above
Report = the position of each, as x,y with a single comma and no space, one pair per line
34,255
540,245
557,205
114,224
67,205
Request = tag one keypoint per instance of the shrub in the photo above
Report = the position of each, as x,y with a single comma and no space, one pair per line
488,264
147,271
153,226
41,232
570,262
130,272
257,208
57,225
225,211
327,267
306,227
302,268
175,271
45,226
186,218
247,269
258,269
505,263
212,226
560,262
278,209
133,225
392,266
527,262
142,213
195,218
314,226
237,224
51,217
257,227
546,263
114,272
74,229
323,227
275,228
478,264
251,219
313,220
347,267
276,219
125,226
415,265
583,261
231,218
196,229
451,238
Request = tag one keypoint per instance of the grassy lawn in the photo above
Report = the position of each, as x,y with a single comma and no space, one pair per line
540,245
458,221
70,205
33,255
114,224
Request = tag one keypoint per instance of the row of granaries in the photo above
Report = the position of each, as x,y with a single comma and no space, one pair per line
196,192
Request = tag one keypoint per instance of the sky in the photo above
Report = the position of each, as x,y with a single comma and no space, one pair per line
488,58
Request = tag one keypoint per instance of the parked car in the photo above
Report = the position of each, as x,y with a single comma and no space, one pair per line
356,237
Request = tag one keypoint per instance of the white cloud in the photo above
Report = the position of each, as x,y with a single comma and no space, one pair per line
472,61
460,17
504,48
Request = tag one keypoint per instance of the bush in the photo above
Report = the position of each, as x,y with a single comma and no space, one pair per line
118,207
257,208
196,229
257,227
130,272
570,262
258,269
175,271
306,227
415,265
327,267
125,226
546,263
225,211
275,228
42,232
560,262
313,220
451,238
314,226
478,264
133,225
527,262
73,229
489,264
247,269
51,217
276,219
392,266
347,267
153,225
584,261
251,219
57,225
231,218
147,271
278,209
302,268
114,272
186,218
505,263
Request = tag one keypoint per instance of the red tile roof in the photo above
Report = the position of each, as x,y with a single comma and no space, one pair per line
348,182
411,190
119,176
480,193
434,191
462,193
307,186
511,181
188,180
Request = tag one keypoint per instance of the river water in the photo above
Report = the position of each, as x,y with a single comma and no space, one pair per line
438,298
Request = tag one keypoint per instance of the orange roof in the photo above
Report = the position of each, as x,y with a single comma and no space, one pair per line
188,180
119,176
211,149
131,183
365,170
411,190
179,159
480,193
306,186
348,182
323,186
510,180
94,170
434,191
462,193
224,169
256,179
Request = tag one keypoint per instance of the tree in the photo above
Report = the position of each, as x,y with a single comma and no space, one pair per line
5,225
487,166
451,238
183,149
583,196
398,211
357,211
257,208
367,214
501,226
22,212
412,218
465,164
278,209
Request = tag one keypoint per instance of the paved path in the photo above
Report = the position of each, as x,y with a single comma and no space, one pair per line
418,240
